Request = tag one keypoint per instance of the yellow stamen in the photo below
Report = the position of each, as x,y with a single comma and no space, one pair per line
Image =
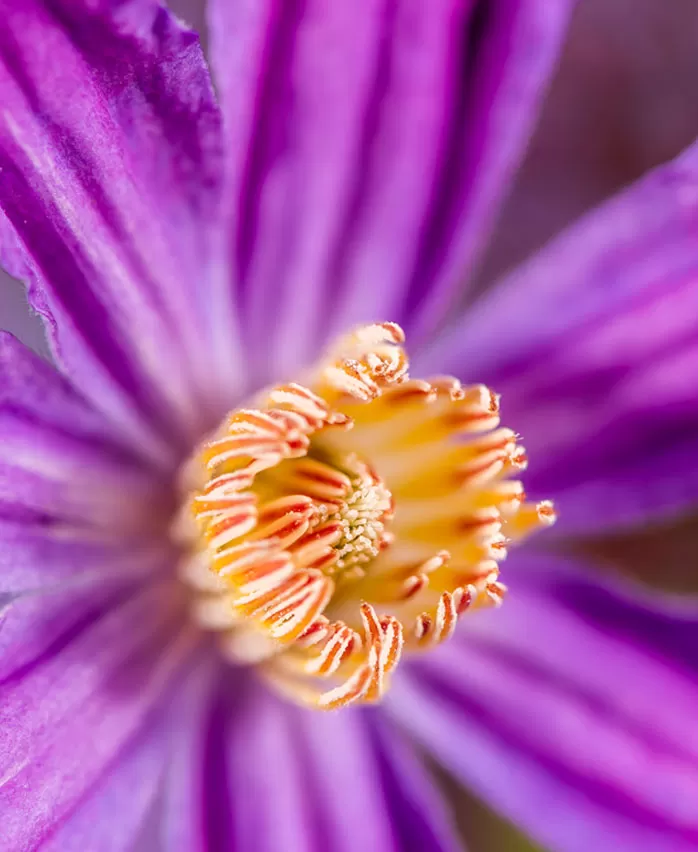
334,526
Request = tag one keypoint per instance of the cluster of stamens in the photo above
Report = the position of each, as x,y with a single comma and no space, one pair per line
360,506
329,528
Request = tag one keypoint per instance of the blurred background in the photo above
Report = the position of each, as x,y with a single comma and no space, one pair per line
622,101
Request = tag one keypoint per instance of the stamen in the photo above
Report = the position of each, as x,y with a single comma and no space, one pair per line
333,527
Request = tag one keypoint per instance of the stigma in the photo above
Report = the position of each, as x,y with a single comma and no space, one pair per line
333,527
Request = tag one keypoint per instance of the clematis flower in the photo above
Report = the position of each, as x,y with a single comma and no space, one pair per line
231,519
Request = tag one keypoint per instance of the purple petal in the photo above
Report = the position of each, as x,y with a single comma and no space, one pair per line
109,156
111,818
594,347
36,556
191,814
302,781
69,716
31,387
367,194
57,462
58,476
32,625
420,818
53,578
571,711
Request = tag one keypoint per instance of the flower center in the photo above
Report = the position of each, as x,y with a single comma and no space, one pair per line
331,527
354,504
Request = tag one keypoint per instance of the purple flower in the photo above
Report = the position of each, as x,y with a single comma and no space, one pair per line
184,255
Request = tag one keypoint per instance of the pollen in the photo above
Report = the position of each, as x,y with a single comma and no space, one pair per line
332,528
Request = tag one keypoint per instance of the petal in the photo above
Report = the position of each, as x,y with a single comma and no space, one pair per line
421,820
69,717
337,782
366,195
108,162
571,711
35,390
594,348
40,557
32,625
111,818
57,461
55,579
191,815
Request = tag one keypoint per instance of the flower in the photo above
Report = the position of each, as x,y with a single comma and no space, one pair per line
185,255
